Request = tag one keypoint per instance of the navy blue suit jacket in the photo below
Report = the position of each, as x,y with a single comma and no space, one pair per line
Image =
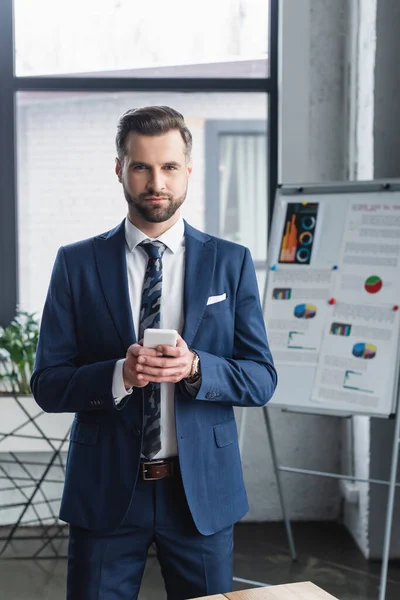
87,326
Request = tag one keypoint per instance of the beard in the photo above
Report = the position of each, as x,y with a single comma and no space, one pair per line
153,212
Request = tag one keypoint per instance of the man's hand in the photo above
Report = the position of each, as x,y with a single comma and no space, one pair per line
129,371
160,365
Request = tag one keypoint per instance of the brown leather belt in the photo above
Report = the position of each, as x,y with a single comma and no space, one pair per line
159,469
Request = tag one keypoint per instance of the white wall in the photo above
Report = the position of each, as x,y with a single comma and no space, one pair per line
386,143
312,124
374,141
360,63
312,149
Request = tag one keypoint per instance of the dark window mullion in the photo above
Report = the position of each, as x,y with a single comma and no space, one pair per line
273,107
124,84
8,212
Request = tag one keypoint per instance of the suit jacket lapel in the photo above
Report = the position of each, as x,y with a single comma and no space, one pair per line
110,257
200,255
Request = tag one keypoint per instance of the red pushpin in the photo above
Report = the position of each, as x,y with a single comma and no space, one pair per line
395,307
332,301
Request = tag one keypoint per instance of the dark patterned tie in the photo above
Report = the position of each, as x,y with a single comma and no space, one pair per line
150,318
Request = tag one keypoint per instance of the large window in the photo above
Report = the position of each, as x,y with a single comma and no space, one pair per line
68,71
92,36
68,190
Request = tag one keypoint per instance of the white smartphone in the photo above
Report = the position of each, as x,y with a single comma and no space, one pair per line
155,337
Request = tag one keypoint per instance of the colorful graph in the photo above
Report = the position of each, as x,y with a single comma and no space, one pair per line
303,255
306,238
309,222
373,284
363,350
298,233
343,329
305,311
281,293
295,341
289,242
351,378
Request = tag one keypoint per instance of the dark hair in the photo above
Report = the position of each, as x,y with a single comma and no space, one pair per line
151,120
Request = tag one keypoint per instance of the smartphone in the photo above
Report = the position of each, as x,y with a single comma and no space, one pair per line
154,337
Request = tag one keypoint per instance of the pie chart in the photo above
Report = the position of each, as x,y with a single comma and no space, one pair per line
363,350
373,284
305,311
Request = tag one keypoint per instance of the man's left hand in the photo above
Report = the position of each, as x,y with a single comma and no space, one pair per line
173,366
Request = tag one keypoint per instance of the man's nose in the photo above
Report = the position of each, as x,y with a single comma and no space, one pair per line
156,181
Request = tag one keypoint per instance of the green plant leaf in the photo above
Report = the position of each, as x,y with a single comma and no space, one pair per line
18,342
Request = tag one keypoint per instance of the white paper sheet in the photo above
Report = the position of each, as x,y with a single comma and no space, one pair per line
358,358
370,255
296,311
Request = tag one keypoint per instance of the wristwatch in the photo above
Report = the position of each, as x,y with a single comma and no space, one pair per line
194,374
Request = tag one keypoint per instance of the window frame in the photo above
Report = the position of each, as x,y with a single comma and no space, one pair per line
11,85
213,130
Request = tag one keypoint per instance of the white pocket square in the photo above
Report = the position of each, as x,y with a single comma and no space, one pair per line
215,299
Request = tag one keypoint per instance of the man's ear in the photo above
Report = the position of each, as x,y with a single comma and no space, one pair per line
118,169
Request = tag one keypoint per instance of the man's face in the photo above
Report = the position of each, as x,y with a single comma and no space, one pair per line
154,175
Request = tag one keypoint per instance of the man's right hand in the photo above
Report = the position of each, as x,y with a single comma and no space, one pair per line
132,378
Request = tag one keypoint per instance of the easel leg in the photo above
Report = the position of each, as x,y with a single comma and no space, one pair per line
390,506
279,485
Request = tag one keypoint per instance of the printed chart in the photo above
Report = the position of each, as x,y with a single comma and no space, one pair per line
305,311
295,313
358,354
370,254
363,350
298,233
373,284
332,297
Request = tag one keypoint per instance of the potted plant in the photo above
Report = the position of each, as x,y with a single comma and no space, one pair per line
23,425
26,429
18,343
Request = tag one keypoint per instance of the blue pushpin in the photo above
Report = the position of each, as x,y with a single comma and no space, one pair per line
273,267
335,268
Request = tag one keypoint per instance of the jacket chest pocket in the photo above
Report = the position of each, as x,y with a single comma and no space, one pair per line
216,309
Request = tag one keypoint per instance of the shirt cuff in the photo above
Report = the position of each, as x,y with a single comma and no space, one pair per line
192,388
119,390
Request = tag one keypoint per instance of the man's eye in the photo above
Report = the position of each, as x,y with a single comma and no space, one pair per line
170,168
139,167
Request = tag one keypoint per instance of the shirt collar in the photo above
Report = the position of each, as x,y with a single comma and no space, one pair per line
173,238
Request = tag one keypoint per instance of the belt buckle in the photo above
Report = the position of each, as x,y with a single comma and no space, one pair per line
144,470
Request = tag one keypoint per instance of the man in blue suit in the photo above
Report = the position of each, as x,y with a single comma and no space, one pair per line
154,456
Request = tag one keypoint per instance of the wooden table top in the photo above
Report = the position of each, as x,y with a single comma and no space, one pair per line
290,591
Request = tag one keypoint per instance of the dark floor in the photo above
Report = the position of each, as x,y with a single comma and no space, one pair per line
327,556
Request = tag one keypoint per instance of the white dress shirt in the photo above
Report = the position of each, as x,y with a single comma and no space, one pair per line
171,313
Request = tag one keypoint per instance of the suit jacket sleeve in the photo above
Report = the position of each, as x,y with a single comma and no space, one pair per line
248,378
59,383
